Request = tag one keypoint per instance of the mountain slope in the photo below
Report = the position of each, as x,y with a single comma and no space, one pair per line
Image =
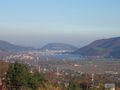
6,46
58,46
104,47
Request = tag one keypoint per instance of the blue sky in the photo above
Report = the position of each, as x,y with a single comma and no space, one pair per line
78,22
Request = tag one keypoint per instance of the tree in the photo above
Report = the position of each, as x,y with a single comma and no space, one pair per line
36,80
73,86
99,86
18,76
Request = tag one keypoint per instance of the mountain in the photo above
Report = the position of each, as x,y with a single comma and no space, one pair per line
58,46
104,47
6,46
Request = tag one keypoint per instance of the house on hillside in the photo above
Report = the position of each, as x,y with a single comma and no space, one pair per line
109,86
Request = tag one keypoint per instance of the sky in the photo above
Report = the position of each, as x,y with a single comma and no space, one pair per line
77,22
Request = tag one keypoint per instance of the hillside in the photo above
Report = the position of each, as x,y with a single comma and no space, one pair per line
6,46
104,47
3,68
58,46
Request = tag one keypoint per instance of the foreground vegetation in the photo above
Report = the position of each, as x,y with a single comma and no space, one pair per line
19,76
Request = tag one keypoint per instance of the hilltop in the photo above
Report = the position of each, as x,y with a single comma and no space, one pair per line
103,47
6,46
59,46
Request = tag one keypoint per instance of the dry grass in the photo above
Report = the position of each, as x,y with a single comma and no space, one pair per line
3,68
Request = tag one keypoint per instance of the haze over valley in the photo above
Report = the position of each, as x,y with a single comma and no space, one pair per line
59,44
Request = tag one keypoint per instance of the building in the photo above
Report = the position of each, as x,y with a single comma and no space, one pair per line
110,86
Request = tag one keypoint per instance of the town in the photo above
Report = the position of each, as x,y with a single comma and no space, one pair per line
89,71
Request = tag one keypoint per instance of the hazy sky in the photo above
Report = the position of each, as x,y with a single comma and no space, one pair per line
77,22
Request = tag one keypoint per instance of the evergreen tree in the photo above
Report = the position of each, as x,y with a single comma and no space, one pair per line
19,76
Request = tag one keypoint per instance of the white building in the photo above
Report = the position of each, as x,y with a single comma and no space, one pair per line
110,86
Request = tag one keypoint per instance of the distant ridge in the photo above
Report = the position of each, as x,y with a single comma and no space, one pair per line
59,46
6,46
103,47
